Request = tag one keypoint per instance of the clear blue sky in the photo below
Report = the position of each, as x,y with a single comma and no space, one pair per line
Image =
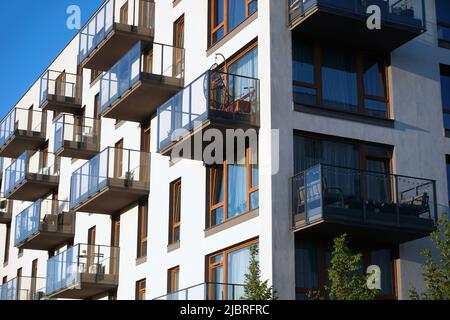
32,33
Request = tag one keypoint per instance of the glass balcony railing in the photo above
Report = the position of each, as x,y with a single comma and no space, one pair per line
65,270
82,131
122,168
352,195
60,87
135,13
23,288
207,291
30,122
158,62
213,96
35,163
407,13
42,215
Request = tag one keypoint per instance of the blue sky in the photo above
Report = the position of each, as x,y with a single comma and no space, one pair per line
32,33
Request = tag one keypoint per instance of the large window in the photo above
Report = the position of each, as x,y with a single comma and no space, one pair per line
226,15
141,289
142,230
443,22
339,79
233,189
175,212
227,270
313,259
445,92
173,280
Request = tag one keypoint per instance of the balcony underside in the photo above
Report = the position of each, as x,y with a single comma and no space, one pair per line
61,105
142,100
46,240
119,41
218,120
113,198
20,141
376,228
91,285
34,186
5,218
77,150
349,30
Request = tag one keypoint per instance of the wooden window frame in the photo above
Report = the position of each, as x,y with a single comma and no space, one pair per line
360,58
214,26
141,289
171,279
211,265
7,243
142,241
224,203
174,207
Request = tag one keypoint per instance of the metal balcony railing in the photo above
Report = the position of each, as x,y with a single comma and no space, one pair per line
23,288
224,96
76,129
60,87
207,291
31,122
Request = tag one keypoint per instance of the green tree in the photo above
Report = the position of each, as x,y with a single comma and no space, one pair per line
436,271
347,282
254,288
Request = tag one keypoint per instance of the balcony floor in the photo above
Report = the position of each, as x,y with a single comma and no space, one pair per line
119,41
350,31
5,218
46,240
77,150
91,285
20,141
34,186
143,99
61,104
113,198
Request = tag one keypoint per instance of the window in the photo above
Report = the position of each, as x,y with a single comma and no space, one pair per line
33,284
178,42
115,232
245,62
124,13
95,74
227,270
5,279
226,15
142,230
175,212
140,289
233,189
448,177
339,79
445,92
173,280
7,240
313,259
443,22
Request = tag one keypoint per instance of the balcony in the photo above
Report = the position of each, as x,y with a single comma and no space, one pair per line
31,176
44,225
207,291
76,137
60,92
5,210
20,130
111,181
334,20
328,201
83,271
113,31
215,100
143,79
23,288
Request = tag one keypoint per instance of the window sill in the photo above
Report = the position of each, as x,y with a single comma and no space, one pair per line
345,115
19,255
5,264
175,2
173,246
141,260
231,34
231,222
117,125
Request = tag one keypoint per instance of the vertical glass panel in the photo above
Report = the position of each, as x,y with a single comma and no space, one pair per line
373,78
445,89
236,13
238,264
237,189
303,62
306,265
382,258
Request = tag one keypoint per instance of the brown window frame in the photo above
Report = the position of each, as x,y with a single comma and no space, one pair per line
7,243
224,203
178,42
142,239
214,26
141,289
175,211
360,58
171,287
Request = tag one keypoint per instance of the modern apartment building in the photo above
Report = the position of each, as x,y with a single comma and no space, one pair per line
352,126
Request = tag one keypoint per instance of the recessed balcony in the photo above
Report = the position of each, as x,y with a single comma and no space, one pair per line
113,31
76,137
143,79
83,271
31,176
377,207
44,225
345,22
207,291
5,210
23,288
215,100
61,92
20,130
111,181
